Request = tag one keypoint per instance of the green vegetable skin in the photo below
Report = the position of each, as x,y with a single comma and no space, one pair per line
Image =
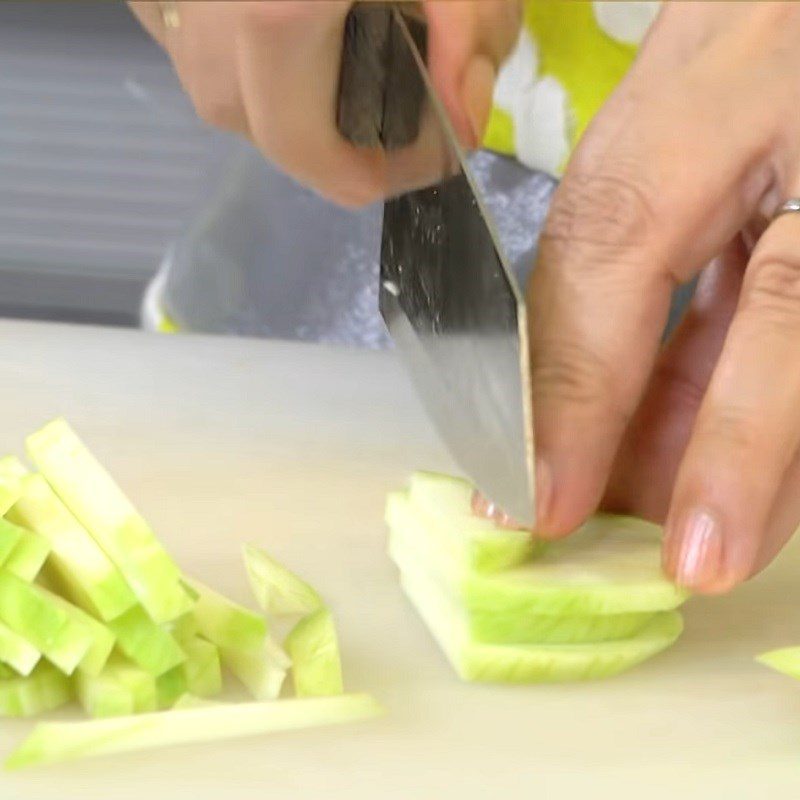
45,689
76,558
786,661
34,613
53,742
261,671
148,645
120,689
611,566
474,543
590,606
28,556
508,627
225,623
9,539
100,506
277,590
17,652
532,663
314,650
203,668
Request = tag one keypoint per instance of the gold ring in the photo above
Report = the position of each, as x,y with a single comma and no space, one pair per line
169,14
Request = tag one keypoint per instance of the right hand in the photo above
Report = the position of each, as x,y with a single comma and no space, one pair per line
269,70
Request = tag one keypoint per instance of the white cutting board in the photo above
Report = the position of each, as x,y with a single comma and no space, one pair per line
224,441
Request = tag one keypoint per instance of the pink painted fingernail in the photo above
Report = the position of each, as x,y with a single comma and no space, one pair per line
700,554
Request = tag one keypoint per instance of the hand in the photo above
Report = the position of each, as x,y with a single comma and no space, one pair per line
269,70
697,148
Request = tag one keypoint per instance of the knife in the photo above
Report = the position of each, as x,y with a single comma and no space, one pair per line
447,293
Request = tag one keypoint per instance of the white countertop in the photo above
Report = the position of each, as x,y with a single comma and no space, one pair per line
222,441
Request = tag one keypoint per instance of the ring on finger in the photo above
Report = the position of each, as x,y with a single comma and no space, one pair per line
791,206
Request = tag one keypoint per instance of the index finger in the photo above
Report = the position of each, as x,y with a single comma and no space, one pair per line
657,188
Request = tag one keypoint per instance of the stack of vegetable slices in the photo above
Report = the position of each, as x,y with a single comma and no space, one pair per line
506,608
93,608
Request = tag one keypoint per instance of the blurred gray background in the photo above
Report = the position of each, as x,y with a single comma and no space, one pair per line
94,180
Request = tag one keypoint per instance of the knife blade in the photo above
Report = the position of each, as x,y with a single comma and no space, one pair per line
447,292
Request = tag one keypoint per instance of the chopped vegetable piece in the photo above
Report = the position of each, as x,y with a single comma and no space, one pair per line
77,559
7,672
475,543
528,663
28,557
121,688
192,701
17,652
102,639
786,660
225,623
96,500
45,689
146,644
262,671
10,487
612,565
502,627
277,590
203,668
314,650
184,628
10,536
32,612
170,686
62,741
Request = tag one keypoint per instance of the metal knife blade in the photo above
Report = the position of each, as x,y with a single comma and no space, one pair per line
449,298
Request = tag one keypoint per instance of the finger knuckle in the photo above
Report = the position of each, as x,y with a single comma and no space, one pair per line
609,211
772,291
731,430
571,373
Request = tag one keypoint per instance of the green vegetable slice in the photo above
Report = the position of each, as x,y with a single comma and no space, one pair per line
146,644
612,565
475,543
10,487
203,668
10,536
45,689
99,504
53,742
17,652
27,558
170,686
314,650
120,689
277,589
785,660
477,661
262,671
101,638
76,558
225,623
34,613
500,627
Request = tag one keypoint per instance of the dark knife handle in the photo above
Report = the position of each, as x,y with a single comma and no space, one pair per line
381,91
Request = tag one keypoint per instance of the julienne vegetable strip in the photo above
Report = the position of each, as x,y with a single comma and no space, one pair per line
93,496
63,741
76,558
92,608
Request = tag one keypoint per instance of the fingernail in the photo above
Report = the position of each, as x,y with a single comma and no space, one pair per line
478,93
700,553
544,489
